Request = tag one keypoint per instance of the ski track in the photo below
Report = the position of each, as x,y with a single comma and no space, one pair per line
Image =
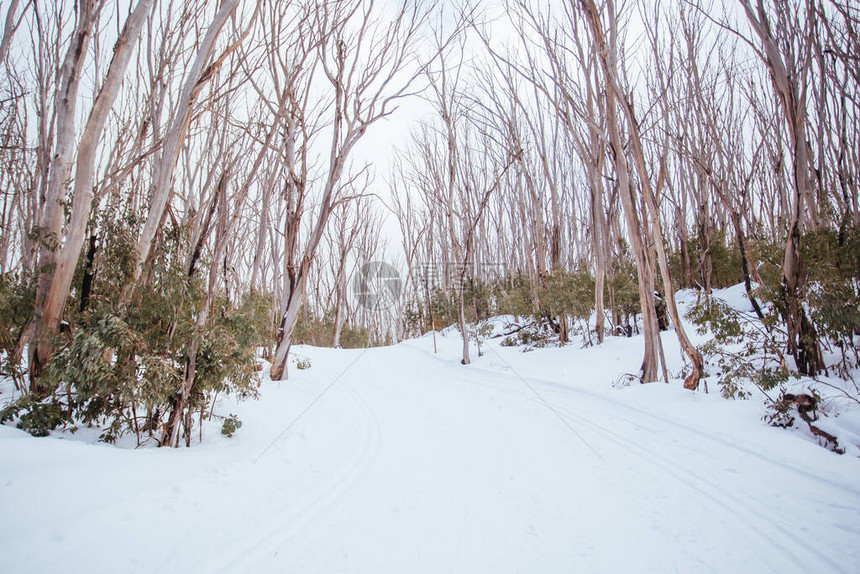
265,543
674,425
730,501
641,454
727,502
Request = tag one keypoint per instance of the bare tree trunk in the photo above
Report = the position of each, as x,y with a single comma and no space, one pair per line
363,91
739,237
288,323
461,319
9,29
195,80
59,174
788,79
706,234
180,402
66,259
606,53
600,230
692,380
263,228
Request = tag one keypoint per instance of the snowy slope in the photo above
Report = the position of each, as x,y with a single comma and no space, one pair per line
410,462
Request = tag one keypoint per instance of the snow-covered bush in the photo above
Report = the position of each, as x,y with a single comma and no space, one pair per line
746,355
34,416
742,352
531,335
122,364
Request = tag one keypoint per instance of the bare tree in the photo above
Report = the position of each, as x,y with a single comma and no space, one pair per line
201,71
789,66
367,66
13,20
54,284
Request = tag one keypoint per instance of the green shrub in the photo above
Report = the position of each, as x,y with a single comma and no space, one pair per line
625,286
17,295
569,293
316,330
124,366
230,425
34,416
742,351
833,263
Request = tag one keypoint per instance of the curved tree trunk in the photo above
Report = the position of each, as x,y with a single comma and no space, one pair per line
787,75
9,29
606,54
51,225
58,283
161,190
614,94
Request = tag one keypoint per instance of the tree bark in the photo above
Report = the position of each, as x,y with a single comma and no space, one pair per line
606,53
160,190
51,225
57,291
788,81
9,30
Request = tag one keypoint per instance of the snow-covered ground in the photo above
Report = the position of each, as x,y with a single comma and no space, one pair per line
410,462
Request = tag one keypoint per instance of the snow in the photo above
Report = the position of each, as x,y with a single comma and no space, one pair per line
411,462
734,296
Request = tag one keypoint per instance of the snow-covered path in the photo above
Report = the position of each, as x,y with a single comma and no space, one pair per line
410,462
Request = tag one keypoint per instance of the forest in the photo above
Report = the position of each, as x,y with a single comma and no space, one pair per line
190,187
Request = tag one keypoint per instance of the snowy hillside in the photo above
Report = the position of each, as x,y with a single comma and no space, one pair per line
617,245
407,461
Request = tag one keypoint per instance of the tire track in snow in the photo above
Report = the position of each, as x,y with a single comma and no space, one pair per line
269,541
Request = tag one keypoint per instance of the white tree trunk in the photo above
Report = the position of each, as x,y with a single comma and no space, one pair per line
160,191
51,225
67,258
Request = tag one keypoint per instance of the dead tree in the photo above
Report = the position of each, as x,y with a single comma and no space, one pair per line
789,66
54,285
201,71
605,47
366,66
